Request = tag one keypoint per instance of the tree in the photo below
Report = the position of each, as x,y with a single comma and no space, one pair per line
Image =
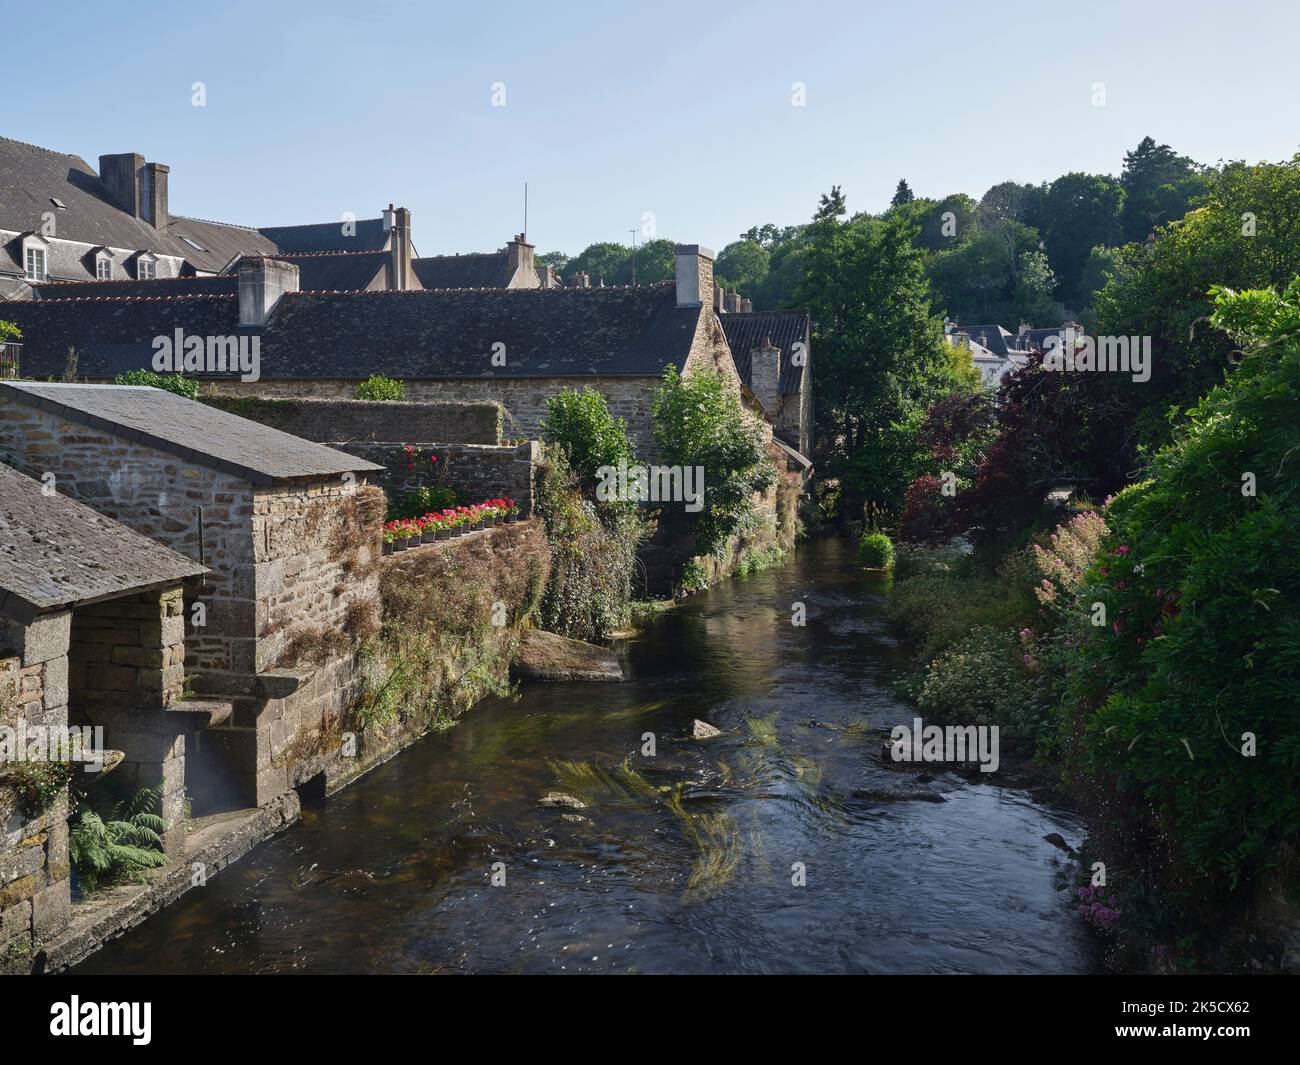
1159,185
902,194
743,265
656,260
699,422
1079,211
880,354
557,259
581,424
604,262
1034,287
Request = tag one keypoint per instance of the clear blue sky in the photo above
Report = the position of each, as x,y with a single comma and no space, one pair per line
680,109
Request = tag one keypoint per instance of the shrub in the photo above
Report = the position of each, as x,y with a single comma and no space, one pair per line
378,387
580,423
698,421
171,382
876,550
1201,585
593,556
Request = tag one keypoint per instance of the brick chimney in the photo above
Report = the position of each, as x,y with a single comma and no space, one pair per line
694,275
718,298
765,376
519,257
746,305
261,284
139,188
579,280
400,269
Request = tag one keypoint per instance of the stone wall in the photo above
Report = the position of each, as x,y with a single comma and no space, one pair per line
479,472
128,651
159,496
341,422
35,892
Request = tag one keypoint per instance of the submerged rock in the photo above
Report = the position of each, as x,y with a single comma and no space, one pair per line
702,730
546,656
1058,841
558,798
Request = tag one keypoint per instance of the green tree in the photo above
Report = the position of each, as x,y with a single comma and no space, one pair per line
699,421
1079,211
604,262
171,382
1034,287
902,194
580,423
881,356
1159,186
743,265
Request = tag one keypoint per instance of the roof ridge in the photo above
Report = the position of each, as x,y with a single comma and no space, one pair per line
141,299
41,148
135,280
471,288
214,222
316,254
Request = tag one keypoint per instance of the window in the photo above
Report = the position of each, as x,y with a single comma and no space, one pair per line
146,195
104,268
58,203
146,270
194,244
35,262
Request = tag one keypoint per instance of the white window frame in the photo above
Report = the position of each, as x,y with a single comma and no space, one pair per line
103,268
30,253
146,270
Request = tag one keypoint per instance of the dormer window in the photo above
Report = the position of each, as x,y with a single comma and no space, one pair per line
104,266
146,267
35,261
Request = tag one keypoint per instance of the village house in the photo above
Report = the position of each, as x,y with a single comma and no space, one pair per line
513,266
275,520
91,634
516,347
773,355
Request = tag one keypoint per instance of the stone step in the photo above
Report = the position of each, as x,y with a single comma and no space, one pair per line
201,713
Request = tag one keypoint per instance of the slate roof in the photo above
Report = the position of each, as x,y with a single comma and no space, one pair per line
30,176
472,270
192,431
745,332
56,553
370,235
337,271
196,285
426,334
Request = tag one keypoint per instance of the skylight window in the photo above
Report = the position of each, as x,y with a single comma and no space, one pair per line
194,244
58,203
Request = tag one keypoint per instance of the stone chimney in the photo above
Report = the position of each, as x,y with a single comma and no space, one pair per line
400,270
139,188
694,275
1024,328
746,305
579,280
718,298
765,376
519,257
261,284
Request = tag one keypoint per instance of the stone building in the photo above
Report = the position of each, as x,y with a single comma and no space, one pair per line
516,347
514,266
773,354
90,635
280,524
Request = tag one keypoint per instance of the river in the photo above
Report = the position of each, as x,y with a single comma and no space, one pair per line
681,862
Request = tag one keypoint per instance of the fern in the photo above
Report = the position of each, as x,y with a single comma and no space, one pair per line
120,843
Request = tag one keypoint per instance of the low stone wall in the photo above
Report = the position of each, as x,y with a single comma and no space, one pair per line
341,422
480,472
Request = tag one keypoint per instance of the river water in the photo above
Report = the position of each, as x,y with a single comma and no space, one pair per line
682,862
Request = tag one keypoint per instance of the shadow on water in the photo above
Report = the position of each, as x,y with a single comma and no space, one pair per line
677,863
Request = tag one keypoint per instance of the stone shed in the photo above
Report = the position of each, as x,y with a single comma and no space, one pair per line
283,526
90,635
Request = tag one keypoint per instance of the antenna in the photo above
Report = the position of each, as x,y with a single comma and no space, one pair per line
633,232
525,234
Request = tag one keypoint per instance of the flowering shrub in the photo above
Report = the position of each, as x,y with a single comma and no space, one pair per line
1098,908
875,549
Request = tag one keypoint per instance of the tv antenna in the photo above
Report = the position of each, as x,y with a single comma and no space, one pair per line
633,232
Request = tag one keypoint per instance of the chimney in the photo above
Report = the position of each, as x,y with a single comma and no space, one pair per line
121,177
400,269
153,195
388,218
765,376
261,284
1024,328
746,305
139,188
718,298
694,275
579,280
732,302
519,256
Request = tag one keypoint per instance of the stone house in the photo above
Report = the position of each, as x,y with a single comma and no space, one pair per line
513,266
283,527
90,635
773,355
516,347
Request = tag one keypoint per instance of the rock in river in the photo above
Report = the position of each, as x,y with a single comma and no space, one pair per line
546,656
702,730
558,798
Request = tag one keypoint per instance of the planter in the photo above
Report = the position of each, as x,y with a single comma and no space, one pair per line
476,526
511,519
388,548
489,522
429,536
441,534
399,545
